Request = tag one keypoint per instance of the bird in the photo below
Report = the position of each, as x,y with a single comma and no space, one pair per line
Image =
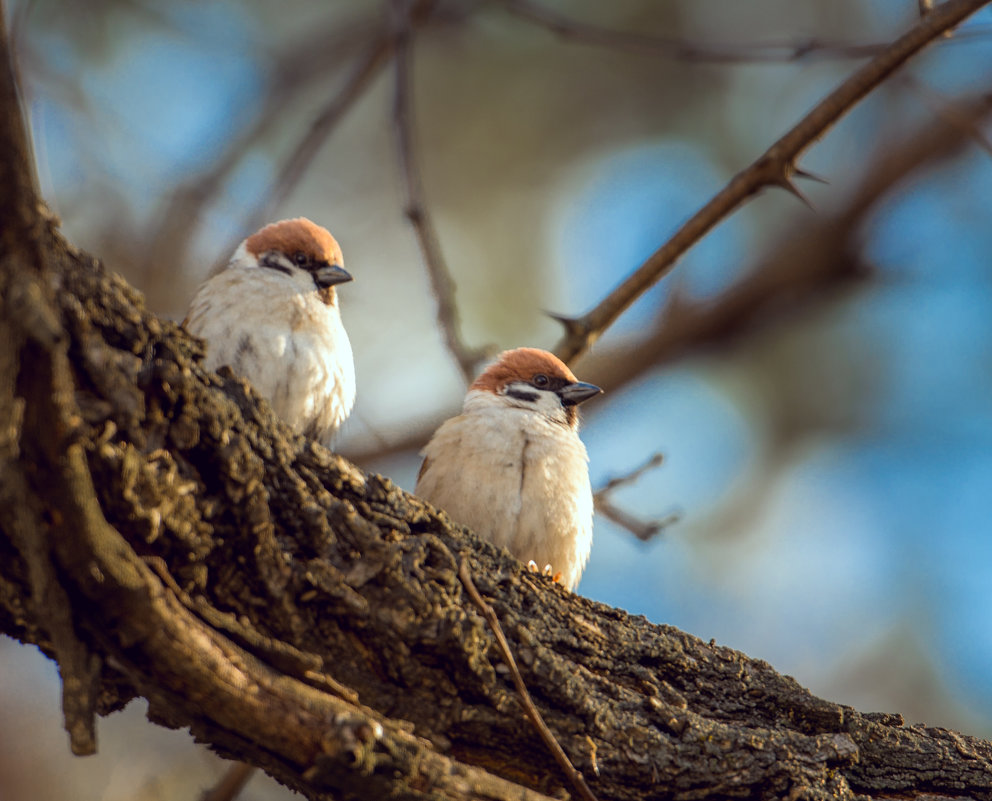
272,315
511,466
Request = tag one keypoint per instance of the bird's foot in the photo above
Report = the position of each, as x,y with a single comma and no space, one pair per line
547,571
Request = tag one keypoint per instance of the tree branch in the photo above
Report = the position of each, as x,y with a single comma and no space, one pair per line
416,208
644,530
806,267
363,72
776,167
814,266
165,460
678,47
294,70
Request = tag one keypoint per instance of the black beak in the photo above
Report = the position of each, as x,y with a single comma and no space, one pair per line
574,394
330,274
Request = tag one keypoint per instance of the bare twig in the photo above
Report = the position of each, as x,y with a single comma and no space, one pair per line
776,167
416,208
578,782
231,783
363,72
679,48
642,529
800,270
629,478
294,71
797,271
295,165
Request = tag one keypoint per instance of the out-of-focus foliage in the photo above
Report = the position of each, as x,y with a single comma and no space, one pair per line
833,469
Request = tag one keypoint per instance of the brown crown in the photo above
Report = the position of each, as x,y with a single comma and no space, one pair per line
291,236
522,364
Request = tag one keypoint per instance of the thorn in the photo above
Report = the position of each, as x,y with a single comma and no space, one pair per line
573,327
809,176
677,296
792,189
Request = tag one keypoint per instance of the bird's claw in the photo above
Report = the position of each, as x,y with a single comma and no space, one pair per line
547,571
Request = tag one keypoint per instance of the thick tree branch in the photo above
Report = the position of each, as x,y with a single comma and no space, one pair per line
776,167
297,547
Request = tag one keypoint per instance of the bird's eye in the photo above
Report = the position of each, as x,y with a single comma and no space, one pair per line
300,257
540,380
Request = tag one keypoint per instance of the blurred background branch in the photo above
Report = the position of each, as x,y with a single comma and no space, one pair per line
776,167
415,207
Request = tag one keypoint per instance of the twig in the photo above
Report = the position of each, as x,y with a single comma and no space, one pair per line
644,530
416,209
295,165
629,478
792,275
578,782
363,72
294,70
679,48
776,167
231,783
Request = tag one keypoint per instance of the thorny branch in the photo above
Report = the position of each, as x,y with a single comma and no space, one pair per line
776,167
416,208
797,271
807,267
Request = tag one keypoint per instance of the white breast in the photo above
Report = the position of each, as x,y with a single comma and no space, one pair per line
288,343
517,479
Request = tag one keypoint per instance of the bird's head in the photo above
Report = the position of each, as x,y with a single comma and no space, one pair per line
299,249
533,379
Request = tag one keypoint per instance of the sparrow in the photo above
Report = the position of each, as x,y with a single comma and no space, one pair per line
273,317
511,466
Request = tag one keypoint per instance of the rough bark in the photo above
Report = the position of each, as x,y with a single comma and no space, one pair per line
162,535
